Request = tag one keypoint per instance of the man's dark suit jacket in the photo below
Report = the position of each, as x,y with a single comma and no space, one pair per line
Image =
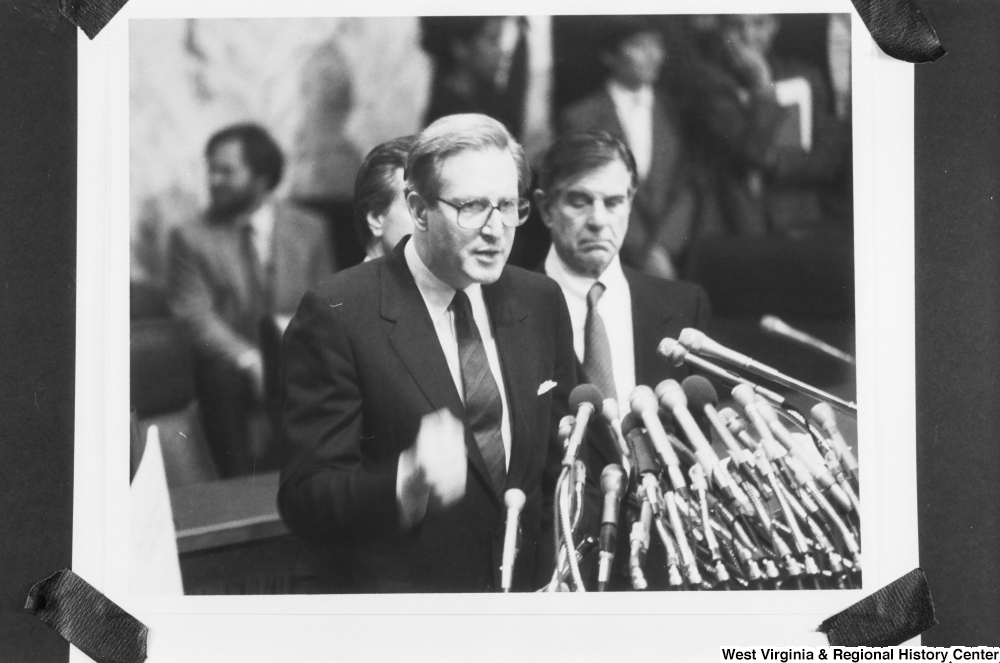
665,203
362,365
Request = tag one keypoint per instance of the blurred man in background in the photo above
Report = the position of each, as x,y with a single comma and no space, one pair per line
631,109
381,216
480,66
247,259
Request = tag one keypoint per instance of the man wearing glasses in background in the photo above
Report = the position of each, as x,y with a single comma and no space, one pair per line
422,385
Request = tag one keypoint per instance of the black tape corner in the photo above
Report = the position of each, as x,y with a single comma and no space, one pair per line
90,15
87,619
901,610
901,30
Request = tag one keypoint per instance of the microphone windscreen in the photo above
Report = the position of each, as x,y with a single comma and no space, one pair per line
691,339
672,351
586,393
630,421
514,498
743,394
670,394
699,392
774,324
610,411
613,480
642,399
823,414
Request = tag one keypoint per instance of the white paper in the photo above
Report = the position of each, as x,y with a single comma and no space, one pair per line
154,568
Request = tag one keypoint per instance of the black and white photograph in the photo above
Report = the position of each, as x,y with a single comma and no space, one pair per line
514,331
429,308
685,180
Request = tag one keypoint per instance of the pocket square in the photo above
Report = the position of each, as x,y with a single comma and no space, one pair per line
546,387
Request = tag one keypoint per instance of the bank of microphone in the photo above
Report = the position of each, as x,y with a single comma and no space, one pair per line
514,499
676,354
672,398
697,342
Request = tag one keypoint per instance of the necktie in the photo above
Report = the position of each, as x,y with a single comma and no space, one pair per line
596,348
483,407
258,273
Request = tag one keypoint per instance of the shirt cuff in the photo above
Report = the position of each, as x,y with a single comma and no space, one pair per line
411,492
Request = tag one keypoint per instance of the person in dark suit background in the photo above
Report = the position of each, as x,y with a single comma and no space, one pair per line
381,216
248,258
778,153
422,385
587,181
480,66
631,108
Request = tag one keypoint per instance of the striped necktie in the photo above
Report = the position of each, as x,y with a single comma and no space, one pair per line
596,347
483,407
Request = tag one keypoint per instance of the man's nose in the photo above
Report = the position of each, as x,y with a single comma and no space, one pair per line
494,224
600,215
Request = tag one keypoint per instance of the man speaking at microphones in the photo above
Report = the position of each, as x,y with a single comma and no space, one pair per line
421,386
587,181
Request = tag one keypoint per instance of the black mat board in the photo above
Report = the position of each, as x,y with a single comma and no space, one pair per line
957,316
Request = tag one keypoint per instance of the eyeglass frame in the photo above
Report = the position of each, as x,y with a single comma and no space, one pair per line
457,206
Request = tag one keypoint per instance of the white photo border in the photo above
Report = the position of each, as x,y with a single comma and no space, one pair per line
678,626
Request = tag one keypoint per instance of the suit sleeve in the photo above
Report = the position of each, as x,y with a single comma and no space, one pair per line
564,375
328,491
190,299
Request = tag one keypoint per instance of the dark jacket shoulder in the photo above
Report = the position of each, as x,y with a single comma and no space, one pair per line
680,296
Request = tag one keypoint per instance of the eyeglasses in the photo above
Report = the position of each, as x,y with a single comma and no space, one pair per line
475,213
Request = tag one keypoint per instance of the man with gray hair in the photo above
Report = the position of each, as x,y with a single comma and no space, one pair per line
422,385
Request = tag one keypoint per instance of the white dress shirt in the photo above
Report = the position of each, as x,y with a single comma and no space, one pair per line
615,308
437,296
634,109
262,222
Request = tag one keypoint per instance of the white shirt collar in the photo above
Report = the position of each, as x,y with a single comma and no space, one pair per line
622,96
262,223
262,218
436,293
613,277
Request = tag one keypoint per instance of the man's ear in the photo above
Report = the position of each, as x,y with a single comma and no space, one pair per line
542,205
418,209
375,224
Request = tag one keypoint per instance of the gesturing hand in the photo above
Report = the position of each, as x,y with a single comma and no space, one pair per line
432,472
440,456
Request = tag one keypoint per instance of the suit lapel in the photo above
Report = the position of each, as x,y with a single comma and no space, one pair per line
650,316
415,341
518,357
609,117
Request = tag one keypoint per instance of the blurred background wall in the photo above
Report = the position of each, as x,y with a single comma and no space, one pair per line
329,90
